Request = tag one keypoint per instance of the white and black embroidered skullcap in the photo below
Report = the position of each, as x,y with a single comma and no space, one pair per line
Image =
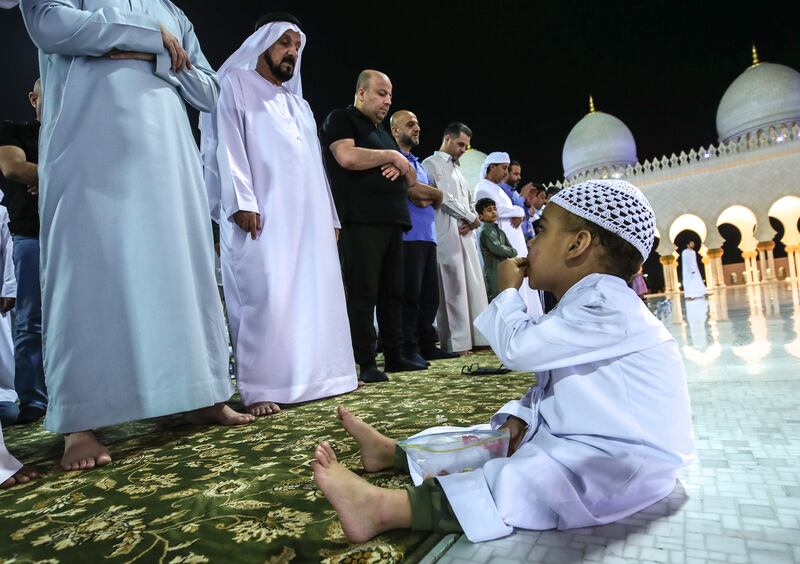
616,205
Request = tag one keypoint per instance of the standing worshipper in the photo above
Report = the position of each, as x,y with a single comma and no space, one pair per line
19,179
494,244
282,279
132,320
8,296
370,180
509,217
510,187
693,285
535,196
462,289
419,250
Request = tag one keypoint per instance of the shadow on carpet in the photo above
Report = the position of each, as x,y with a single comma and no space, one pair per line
180,493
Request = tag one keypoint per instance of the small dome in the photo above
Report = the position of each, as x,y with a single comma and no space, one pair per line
471,163
599,139
763,95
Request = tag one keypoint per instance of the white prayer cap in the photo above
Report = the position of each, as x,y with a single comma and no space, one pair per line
616,205
494,158
246,58
8,4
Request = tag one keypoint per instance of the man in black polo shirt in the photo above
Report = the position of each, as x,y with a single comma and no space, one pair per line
370,179
19,181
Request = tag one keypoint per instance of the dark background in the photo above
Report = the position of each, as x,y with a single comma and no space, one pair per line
518,73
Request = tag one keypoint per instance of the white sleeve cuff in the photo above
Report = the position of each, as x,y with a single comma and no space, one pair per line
472,502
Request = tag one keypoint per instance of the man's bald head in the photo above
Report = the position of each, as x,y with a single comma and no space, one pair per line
365,78
373,95
405,129
400,116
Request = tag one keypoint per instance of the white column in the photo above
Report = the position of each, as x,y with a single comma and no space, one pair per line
720,272
797,263
710,276
792,264
773,274
762,263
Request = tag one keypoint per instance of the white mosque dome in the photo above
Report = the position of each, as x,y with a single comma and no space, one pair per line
598,140
763,95
471,163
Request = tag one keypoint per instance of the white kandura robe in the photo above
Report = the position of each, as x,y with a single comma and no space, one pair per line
8,464
284,290
132,320
461,285
8,289
693,285
609,419
506,211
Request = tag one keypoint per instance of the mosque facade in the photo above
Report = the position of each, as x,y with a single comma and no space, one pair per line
750,176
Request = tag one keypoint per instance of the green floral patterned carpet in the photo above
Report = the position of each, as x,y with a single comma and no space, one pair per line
181,493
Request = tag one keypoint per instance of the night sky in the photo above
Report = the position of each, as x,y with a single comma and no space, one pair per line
519,74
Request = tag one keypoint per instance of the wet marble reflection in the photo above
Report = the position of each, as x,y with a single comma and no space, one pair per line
753,330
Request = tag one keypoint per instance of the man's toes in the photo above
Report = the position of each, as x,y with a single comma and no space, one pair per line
103,459
8,483
21,478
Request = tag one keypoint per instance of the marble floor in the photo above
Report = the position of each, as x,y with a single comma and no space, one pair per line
739,501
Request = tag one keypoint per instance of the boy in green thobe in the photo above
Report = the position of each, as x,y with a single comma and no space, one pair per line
494,244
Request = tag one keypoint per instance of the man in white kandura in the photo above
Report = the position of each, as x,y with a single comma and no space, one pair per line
131,314
463,291
693,285
509,218
278,226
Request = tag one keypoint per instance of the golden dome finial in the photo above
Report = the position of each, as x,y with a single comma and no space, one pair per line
591,104
756,62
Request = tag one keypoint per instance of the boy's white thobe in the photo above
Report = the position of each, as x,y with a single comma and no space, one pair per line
609,419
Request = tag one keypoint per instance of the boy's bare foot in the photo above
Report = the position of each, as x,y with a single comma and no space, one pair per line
364,510
377,450
22,476
83,451
465,353
262,408
219,414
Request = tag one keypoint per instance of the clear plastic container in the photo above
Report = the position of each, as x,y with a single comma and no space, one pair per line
440,454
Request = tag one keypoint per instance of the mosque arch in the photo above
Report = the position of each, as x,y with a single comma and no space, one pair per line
745,221
690,222
787,211
779,251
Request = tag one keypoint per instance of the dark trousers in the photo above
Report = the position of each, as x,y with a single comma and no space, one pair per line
372,268
421,295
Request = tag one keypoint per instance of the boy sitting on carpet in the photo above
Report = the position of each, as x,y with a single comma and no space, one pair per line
604,430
